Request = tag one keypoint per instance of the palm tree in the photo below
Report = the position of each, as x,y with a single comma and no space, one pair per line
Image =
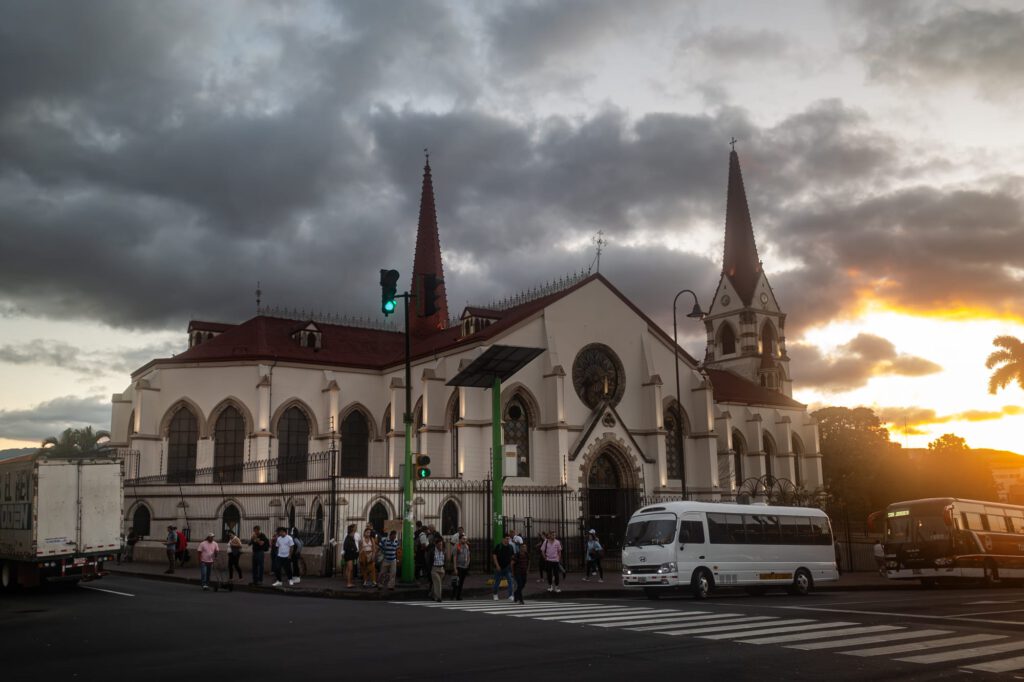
74,442
1011,359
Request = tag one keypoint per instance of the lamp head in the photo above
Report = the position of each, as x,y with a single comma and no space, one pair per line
696,313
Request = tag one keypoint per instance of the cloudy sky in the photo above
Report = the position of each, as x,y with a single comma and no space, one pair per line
158,159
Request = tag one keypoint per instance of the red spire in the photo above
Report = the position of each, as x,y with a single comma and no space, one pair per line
740,264
427,260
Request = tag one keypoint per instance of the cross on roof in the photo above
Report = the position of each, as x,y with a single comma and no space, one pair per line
733,143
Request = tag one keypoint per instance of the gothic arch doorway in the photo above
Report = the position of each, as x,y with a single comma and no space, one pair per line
378,516
611,497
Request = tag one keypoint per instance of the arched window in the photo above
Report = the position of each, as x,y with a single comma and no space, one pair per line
141,520
231,520
355,446
517,432
387,440
674,438
182,438
728,339
292,446
378,516
739,448
291,516
798,451
769,455
228,446
769,342
453,432
449,518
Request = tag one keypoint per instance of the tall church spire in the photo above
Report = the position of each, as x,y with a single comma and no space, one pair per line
427,260
740,264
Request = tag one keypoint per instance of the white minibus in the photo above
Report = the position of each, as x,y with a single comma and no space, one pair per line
703,545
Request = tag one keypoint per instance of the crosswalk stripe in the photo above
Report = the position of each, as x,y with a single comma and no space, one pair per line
517,608
857,641
625,617
919,646
565,616
742,624
716,618
946,656
680,619
489,604
806,625
794,628
1001,666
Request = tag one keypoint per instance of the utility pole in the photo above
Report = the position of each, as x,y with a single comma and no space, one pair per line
408,565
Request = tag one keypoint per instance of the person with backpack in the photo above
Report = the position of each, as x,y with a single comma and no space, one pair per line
368,559
296,554
521,568
461,556
208,550
350,553
389,560
501,557
594,553
551,553
234,555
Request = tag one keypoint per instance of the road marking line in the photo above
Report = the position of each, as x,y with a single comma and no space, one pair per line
921,646
793,628
718,618
889,614
743,624
682,620
100,589
618,618
1002,666
945,656
578,613
857,641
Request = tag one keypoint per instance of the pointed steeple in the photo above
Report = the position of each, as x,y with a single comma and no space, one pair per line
427,260
740,264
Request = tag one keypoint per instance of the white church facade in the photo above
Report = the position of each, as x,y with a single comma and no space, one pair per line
283,421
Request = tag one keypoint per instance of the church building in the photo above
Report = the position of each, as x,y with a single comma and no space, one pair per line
286,419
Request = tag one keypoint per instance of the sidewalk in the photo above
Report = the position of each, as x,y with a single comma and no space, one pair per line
476,586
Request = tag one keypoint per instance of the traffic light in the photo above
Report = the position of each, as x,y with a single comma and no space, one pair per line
421,466
388,289
428,294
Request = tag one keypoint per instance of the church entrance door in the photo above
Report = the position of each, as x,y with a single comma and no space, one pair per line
610,500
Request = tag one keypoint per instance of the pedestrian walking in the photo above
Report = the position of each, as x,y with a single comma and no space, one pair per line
540,561
208,550
284,548
521,569
461,558
879,552
132,540
437,558
350,553
368,559
171,543
594,554
389,561
296,553
260,544
234,555
501,557
417,550
551,552
181,547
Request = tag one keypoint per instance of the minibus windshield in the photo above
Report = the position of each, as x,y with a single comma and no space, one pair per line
652,532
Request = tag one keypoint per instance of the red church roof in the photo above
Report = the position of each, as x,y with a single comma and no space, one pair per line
732,388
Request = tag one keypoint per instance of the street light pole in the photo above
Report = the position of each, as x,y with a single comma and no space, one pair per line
696,313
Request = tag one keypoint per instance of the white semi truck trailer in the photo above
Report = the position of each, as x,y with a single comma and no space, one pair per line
60,518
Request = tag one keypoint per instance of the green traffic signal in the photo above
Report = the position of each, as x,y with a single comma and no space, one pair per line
388,291
421,466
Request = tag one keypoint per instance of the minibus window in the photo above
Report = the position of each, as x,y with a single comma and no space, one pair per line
788,526
753,531
654,532
771,530
718,529
736,532
691,533
996,524
820,530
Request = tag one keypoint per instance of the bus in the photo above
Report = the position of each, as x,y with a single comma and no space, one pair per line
700,546
948,540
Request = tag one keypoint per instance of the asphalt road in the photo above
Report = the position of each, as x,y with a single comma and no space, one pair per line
130,628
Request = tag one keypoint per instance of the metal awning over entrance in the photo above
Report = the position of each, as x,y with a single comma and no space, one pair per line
497,362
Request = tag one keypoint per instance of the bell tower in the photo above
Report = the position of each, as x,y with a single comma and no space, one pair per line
745,325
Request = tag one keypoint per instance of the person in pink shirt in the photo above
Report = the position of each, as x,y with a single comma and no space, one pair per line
551,553
208,550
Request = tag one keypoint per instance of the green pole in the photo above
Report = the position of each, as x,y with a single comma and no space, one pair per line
408,563
497,510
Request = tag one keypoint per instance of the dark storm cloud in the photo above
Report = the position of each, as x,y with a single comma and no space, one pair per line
734,45
854,363
62,355
51,417
942,44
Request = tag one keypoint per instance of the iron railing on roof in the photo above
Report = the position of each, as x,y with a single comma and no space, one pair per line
303,315
523,297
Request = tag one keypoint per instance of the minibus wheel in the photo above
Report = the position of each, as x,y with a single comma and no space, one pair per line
802,583
701,583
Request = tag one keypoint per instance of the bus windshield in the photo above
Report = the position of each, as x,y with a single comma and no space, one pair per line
653,532
916,527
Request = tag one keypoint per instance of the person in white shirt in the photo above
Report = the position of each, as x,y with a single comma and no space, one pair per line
285,547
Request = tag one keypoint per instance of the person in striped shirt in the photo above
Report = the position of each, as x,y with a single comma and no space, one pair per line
389,550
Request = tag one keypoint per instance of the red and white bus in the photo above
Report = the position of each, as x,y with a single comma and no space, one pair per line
946,540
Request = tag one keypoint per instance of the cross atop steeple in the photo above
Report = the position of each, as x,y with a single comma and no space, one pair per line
733,142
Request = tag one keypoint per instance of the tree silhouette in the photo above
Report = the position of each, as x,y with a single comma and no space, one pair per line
74,442
1010,359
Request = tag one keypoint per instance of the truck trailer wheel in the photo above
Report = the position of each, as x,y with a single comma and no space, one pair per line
8,576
